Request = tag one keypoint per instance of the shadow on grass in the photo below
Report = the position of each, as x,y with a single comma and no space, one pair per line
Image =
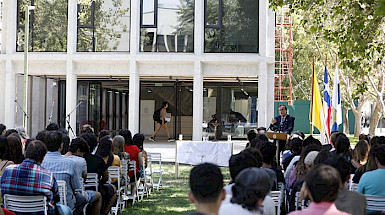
172,198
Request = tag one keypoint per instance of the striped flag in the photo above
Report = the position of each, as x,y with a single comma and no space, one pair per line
336,103
327,105
316,112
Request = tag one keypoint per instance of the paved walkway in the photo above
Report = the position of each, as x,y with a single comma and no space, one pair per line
168,149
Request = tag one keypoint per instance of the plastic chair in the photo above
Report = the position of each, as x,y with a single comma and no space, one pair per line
156,160
114,172
133,196
62,191
353,187
144,187
125,177
25,204
276,196
92,181
148,172
375,203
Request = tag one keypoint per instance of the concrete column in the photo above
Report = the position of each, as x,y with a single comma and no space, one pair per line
9,26
270,92
198,102
71,97
263,90
133,100
9,95
263,7
199,29
135,27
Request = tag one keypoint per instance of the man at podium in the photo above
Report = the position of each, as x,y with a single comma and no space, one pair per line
283,123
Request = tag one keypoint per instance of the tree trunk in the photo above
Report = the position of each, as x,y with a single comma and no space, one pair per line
346,121
375,118
357,125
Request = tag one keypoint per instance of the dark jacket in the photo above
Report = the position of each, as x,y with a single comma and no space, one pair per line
287,125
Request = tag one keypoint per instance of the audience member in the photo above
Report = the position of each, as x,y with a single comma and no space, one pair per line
135,155
360,153
261,130
138,140
323,155
295,146
250,136
63,168
249,190
4,150
52,127
322,186
206,189
66,144
118,147
86,129
76,152
11,131
268,151
348,201
369,166
3,129
30,179
41,135
15,153
333,137
109,158
364,137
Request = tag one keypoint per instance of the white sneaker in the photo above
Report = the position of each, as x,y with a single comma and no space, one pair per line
171,140
152,139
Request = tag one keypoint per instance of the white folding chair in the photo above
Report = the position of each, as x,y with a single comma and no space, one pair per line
375,203
148,172
144,187
156,160
353,187
62,191
114,173
297,202
92,181
276,196
125,177
133,196
25,204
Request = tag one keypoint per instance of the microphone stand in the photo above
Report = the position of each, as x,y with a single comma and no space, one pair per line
24,113
68,117
50,116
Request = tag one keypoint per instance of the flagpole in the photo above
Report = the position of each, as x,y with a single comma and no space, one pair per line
311,102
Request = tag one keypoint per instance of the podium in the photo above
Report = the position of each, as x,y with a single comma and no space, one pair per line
276,136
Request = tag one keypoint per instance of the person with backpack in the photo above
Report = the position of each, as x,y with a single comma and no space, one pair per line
160,117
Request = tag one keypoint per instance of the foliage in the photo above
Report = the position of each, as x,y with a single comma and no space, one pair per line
172,198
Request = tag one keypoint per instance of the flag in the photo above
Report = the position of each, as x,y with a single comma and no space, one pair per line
316,112
336,103
327,105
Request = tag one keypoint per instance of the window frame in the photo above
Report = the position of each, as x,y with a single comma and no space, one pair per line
220,16
155,25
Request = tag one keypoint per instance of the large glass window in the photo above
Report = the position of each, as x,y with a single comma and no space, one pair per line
229,109
48,25
103,25
167,26
231,26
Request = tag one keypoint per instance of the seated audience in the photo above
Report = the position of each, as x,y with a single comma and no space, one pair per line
30,179
364,137
347,201
268,151
322,186
261,130
360,153
135,155
118,147
295,146
101,134
63,168
249,157
52,127
76,152
4,150
206,189
250,188
66,144
138,140
369,166
86,129
109,158
15,153
3,129
250,136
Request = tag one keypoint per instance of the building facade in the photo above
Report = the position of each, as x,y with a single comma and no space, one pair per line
112,63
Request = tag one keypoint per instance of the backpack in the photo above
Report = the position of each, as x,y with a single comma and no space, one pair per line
156,115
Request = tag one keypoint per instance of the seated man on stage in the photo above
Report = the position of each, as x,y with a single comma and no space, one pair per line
282,123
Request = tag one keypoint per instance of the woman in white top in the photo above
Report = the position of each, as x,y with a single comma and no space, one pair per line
249,190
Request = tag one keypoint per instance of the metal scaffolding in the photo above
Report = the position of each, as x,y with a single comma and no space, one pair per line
283,56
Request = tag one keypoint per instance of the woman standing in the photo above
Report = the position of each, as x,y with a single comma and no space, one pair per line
159,117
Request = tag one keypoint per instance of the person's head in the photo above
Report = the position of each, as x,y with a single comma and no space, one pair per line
311,140
361,152
22,133
341,164
342,144
379,154
333,137
91,140
268,151
138,140
52,127
79,147
41,135
86,129
103,133
323,183
251,135
206,185
118,145
4,148
105,147
66,144
54,141
364,137
322,156
301,169
310,158
299,133
36,151
258,140
249,157
11,131
127,136
15,152
250,188
164,105
3,128
295,145
261,130
282,110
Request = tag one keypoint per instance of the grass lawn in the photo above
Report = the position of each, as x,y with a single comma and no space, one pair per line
172,198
